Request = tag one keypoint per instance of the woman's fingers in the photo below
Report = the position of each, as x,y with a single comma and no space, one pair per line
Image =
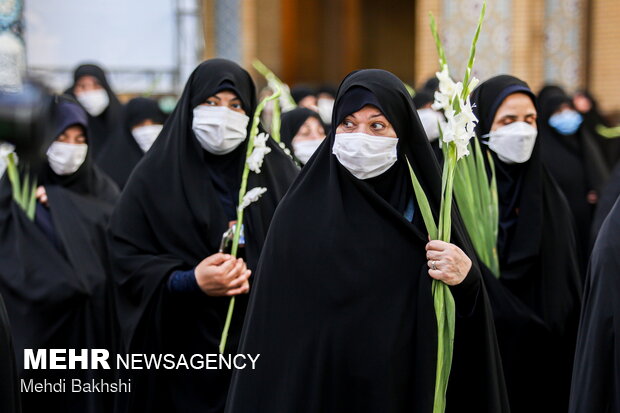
437,245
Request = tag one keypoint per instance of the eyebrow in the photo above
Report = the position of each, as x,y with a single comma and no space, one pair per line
376,115
214,97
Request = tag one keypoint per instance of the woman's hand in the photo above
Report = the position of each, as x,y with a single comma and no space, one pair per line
41,195
447,262
222,275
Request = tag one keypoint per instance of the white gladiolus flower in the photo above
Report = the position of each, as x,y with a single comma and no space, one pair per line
5,150
459,127
252,196
255,160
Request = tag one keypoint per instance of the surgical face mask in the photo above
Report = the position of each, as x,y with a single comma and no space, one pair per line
513,143
326,106
66,158
94,101
566,122
365,156
146,135
303,150
218,129
430,121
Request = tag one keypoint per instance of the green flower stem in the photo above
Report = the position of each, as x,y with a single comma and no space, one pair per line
276,121
242,191
24,194
271,77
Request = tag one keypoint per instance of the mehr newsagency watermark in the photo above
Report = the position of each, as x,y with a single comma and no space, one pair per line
100,359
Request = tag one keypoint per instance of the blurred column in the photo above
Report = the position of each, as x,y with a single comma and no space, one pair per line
528,39
190,39
426,58
604,53
12,48
564,30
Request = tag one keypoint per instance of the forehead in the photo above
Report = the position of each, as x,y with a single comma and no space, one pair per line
88,79
516,103
367,111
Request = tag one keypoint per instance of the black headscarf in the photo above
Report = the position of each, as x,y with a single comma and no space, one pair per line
596,375
88,180
536,300
422,98
575,162
342,312
122,153
300,92
292,122
55,274
172,214
104,127
610,148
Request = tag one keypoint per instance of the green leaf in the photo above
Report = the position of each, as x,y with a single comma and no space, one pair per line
440,51
423,204
472,51
445,313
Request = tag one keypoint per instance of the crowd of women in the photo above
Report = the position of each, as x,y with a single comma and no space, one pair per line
332,279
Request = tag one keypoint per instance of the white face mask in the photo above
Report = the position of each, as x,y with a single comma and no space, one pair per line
325,106
66,158
219,129
303,150
94,101
430,121
146,135
513,143
365,156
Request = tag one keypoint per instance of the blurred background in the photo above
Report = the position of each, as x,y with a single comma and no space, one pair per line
149,47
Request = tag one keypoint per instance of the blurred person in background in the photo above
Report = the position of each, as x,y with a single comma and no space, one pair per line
143,120
326,96
430,118
589,109
574,160
92,90
302,133
305,97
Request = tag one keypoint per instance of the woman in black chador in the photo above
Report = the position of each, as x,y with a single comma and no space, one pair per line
142,122
536,299
342,311
596,375
55,274
173,284
92,90
573,159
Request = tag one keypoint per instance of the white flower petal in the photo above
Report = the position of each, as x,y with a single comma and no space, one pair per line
252,196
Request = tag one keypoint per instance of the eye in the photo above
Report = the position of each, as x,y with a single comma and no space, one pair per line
235,105
377,126
210,102
347,123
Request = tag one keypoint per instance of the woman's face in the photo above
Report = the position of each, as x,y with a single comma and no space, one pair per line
73,134
86,83
368,120
226,99
310,130
582,103
517,107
